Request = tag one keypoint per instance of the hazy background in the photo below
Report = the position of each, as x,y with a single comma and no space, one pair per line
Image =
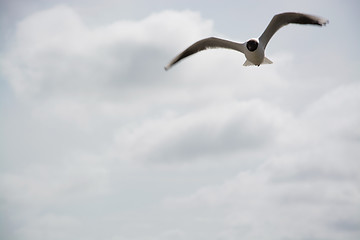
97,141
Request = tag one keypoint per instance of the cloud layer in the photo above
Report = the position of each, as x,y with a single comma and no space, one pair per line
101,142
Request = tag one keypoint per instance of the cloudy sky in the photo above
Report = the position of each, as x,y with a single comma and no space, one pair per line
99,142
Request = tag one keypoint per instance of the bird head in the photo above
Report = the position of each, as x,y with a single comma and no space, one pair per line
252,44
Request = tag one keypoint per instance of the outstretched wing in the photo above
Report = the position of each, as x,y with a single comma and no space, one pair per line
283,19
204,44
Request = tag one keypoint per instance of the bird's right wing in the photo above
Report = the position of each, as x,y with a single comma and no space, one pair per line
204,44
283,19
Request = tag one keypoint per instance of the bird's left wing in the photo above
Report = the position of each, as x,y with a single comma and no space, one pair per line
204,44
283,19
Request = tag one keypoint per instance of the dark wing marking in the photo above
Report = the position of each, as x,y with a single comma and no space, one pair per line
283,19
204,44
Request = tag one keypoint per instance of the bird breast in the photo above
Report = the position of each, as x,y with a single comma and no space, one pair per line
254,51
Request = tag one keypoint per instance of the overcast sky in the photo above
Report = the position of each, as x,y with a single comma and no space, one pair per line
97,141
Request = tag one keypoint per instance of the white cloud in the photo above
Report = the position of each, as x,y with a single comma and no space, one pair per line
55,52
307,187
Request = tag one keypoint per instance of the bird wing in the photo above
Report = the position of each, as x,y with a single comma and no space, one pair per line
204,44
283,19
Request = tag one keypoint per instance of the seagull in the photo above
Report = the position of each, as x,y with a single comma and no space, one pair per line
254,48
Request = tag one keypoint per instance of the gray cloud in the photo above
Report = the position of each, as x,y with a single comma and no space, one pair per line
221,130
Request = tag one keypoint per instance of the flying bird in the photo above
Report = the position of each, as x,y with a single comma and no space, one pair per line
254,48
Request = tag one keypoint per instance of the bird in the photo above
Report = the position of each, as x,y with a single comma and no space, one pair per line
254,48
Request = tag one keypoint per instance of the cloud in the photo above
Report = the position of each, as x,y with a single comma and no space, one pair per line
62,54
310,179
86,78
97,131
210,133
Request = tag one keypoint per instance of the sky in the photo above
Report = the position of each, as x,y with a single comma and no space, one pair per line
99,142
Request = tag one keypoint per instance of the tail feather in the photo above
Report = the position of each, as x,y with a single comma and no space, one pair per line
266,61
248,63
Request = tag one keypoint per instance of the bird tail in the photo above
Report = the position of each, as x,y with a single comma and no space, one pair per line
248,63
265,61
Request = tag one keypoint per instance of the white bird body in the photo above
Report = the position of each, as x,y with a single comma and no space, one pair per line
254,48
254,57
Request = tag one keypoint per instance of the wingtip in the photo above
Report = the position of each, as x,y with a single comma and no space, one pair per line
324,23
167,67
